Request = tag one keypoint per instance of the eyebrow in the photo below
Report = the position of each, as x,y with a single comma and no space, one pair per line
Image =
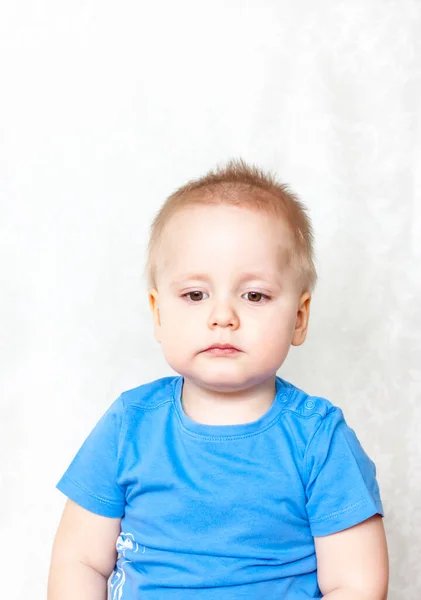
203,277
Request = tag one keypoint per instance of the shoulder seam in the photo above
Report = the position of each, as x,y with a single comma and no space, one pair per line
315,413
140,396
145,407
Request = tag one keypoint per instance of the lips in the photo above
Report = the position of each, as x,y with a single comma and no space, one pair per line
222,347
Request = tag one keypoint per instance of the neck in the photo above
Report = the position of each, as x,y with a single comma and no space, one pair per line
229,407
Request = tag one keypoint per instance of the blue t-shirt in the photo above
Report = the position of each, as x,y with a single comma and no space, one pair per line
226,511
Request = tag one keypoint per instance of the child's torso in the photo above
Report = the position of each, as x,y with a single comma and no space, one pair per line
224,516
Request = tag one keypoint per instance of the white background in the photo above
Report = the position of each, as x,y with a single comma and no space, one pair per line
106,108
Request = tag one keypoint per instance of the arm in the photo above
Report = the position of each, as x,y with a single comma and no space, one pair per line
83,555
353,564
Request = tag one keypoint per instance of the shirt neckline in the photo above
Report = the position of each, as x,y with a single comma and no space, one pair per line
282,393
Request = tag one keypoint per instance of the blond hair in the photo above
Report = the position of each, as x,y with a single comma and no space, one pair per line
248,187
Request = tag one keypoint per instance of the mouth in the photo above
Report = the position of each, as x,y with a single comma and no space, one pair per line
222,349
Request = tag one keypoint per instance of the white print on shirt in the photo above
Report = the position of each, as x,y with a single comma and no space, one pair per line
125,541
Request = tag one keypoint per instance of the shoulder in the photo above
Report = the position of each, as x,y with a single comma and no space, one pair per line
150,395
305,414
302,405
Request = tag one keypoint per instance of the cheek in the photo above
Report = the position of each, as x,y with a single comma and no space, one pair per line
171,315
274,344
278,329
177,325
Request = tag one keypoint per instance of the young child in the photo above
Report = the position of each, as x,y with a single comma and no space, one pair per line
226,481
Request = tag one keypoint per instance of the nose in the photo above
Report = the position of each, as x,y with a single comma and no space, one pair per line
223,314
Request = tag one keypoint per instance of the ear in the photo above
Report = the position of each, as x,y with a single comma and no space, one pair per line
303,315
154,305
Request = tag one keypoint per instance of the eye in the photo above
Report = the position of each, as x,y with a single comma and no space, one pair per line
195,296
256,297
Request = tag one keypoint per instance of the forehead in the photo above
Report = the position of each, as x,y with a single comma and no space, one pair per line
213,221
222,238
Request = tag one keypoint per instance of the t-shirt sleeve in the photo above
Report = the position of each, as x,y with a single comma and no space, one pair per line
91,479
341,489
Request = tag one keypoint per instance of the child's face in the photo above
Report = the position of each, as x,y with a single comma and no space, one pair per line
230,258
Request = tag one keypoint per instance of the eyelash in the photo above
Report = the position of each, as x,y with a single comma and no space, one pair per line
265,296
